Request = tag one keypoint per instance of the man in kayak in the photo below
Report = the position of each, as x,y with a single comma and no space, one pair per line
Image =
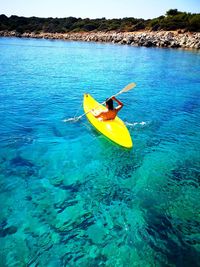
111,112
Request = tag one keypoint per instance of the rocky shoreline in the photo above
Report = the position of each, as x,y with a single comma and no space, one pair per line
147,39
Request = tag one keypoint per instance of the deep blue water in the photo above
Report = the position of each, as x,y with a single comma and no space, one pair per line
68,196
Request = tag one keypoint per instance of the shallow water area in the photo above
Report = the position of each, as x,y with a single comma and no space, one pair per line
68,196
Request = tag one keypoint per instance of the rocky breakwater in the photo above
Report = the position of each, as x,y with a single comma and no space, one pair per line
147,38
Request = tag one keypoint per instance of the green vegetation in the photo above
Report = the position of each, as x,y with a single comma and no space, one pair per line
173,20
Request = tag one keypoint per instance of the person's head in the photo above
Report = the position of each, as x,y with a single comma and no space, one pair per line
109,104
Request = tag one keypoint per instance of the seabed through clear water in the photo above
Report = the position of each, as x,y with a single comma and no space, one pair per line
68,196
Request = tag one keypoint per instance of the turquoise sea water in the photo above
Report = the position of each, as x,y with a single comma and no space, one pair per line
68,196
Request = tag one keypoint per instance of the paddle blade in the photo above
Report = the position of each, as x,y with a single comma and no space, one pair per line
128,87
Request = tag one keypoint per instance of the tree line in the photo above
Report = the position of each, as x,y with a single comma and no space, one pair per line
173,20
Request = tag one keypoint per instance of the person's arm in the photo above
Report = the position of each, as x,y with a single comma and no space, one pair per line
118,102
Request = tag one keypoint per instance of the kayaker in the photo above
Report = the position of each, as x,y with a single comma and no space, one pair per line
111,112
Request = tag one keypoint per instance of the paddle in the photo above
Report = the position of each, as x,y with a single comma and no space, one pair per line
125,89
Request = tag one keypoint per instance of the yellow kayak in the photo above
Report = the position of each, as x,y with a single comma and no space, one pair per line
115,129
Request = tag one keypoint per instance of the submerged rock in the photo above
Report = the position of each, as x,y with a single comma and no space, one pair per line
96,233
19,161
8,231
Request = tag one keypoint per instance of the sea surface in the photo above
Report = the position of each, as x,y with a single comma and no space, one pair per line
69,196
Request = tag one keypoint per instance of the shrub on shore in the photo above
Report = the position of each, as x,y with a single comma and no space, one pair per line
173,20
